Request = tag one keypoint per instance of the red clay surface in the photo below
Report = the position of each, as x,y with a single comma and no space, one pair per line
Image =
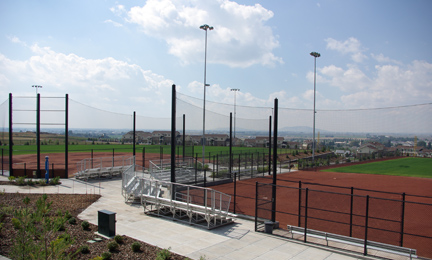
58,159
384,213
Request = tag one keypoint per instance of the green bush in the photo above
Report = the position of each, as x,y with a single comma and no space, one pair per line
42,182
112,246
106,255
67,215
136,247
85,249
118,239
20,181
16,223
163,254
85,225
72,221
11,178
55,181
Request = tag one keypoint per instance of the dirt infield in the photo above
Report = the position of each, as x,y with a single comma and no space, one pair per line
381,205
58,161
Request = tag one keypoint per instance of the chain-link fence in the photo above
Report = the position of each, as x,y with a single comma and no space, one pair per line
391,221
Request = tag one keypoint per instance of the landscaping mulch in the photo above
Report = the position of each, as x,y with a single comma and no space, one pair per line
75,204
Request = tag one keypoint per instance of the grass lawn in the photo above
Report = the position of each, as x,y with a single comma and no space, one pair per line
410,166
127,148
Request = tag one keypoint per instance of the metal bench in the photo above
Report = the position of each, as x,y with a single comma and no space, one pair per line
404,251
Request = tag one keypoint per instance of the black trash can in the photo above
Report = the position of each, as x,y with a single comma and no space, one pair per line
106,223
269,227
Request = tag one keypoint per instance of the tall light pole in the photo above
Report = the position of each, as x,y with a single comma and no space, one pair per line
315,55
235,94
205,27
36,87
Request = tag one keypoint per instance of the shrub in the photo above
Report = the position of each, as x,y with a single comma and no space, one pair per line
68,215
11,178
136,247
118,239
106,255
42,182
85,225
112,246
55,181
163,254
20,181
16,223
72,221
85,249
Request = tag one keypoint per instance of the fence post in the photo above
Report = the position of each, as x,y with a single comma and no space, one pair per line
402,219
239,165
256,206
351,210
92,158
217,165
251,165
366,225
299,204
52,170
235,193
196,167
143,158
306,214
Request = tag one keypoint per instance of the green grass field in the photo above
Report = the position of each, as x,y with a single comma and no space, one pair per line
127,148
410,166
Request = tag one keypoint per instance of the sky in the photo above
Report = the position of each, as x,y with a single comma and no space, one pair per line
124,56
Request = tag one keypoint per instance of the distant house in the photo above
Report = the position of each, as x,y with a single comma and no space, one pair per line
140,137
250,142
163,137
342,152
217,139
370,148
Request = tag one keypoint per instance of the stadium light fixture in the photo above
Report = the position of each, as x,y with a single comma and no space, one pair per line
315,55
235,93
36,87
206,28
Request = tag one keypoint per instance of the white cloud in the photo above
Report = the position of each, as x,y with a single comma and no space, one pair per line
87,80
116,24
240,37
382,59
351,46
392,85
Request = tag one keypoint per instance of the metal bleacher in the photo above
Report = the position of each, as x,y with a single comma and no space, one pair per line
194,205
104,167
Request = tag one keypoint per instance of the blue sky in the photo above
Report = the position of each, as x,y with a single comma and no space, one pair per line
123,56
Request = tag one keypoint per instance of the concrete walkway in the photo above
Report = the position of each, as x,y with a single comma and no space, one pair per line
236,241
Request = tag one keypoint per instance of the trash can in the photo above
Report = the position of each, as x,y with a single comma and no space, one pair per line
106,223
269,227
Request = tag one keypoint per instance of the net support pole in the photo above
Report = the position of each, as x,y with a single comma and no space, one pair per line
173,134
10,137
230,147
275,136
184,136
269,155
134,134
66,136
38,171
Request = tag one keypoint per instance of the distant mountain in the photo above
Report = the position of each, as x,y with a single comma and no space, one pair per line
297,129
